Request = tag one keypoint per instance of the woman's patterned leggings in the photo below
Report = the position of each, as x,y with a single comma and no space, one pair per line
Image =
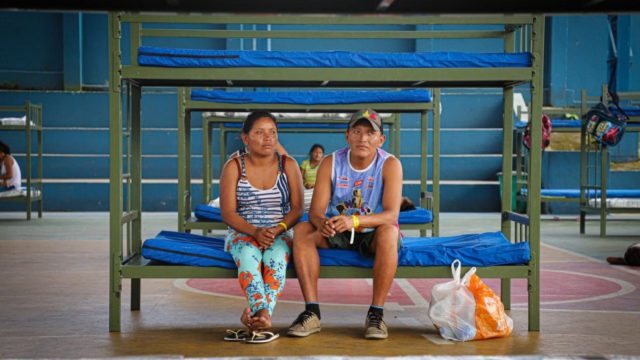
261,273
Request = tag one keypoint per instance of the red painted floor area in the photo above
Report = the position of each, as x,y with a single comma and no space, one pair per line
574,283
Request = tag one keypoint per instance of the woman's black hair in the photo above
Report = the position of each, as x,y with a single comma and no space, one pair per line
247,124
316,146
5,148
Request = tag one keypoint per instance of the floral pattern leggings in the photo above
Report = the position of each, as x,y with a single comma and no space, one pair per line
261,273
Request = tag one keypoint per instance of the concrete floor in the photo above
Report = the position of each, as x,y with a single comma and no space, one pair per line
54,283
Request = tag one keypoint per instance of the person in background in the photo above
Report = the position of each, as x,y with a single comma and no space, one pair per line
261,201
10,175
309,167
631,257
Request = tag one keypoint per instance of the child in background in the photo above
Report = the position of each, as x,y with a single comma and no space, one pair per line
309,167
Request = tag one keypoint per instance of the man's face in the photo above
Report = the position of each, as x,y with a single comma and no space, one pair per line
363,140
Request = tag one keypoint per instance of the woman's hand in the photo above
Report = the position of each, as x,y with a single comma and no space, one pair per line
264,237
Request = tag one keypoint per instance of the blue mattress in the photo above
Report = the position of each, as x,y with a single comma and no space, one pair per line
485,249
195,58
575,193
312,97
630,111
417,216
310,125
555,123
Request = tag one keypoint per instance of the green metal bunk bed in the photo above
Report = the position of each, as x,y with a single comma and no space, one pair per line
558,126
32,124
523,33
595,198
428,199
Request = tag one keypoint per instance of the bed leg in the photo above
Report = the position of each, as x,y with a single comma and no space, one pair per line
114,304
583,217
505,293
135,294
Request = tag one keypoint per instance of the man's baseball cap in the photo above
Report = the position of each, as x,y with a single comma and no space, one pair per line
368,114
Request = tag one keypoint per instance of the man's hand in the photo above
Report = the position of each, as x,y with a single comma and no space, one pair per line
341,223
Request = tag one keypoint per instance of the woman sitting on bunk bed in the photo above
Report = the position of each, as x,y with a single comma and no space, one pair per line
261,201
10,171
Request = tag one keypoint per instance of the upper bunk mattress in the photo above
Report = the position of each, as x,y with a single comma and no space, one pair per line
484,249
312,97
196,58
419,215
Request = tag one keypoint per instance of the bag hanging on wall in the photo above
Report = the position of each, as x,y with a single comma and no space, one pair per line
467,309
605,127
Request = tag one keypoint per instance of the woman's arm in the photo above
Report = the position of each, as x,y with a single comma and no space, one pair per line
296,192
8,166
229,202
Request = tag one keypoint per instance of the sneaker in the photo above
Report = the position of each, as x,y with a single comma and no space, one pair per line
374,327
306,324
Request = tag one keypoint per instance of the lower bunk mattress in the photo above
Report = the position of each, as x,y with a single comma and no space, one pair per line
14,193
575,193
484,249
420,215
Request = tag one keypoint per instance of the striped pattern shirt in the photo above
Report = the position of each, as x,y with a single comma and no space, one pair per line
263,208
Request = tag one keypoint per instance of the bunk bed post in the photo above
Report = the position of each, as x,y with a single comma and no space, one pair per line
40,164
435,230
424,161
604,155
583,160
115,172
396,135
135,196
206,161
29,118
507,158
183,183
507,163
535,169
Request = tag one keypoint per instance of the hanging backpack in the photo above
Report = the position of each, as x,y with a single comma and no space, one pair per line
546,133
605,127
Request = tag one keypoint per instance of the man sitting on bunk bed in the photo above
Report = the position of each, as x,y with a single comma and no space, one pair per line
360,187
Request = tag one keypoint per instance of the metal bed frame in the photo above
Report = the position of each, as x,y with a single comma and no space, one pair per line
428,200
594,170
518,32
33,113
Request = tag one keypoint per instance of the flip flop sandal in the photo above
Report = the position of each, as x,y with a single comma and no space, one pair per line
237,335
262,337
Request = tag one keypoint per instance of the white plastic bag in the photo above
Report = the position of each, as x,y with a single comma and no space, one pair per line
452,308
467,309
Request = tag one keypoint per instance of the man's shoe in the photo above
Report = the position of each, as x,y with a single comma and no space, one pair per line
306,324
374,327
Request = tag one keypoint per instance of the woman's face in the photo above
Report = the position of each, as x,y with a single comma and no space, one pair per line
317,154
262,138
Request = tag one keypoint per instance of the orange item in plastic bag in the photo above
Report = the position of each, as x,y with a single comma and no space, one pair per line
491,320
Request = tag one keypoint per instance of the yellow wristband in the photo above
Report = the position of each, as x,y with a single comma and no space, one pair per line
356,221
284,226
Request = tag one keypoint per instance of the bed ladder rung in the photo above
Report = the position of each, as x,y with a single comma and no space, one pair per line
128,217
